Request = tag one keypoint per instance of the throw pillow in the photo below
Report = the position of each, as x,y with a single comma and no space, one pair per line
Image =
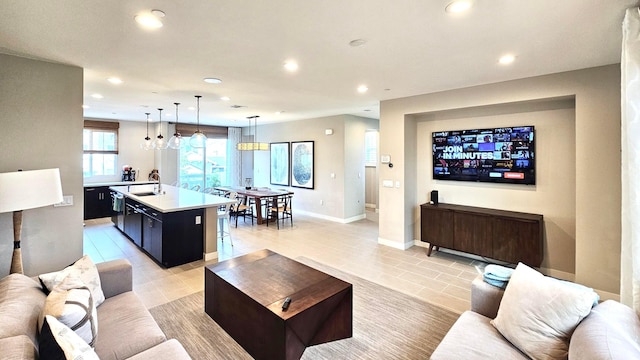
537,314
58,342
71,303
85,269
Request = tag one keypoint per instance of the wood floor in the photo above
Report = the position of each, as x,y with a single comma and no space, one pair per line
442,279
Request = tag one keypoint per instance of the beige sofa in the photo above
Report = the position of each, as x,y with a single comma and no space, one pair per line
126,329
610,331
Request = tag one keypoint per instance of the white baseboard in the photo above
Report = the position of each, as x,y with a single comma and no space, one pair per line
395,244
210,256
334,219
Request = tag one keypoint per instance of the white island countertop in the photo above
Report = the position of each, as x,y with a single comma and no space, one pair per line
172,198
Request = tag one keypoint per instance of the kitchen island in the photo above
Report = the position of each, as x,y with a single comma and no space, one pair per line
172,225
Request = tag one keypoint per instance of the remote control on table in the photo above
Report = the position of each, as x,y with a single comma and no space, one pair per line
285,304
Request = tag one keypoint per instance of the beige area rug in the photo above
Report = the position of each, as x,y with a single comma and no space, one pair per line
386,325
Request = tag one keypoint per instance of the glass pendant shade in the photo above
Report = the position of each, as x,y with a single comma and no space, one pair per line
176,140
160,143
147,144
198,139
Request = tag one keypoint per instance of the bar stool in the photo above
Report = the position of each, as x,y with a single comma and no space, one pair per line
224,213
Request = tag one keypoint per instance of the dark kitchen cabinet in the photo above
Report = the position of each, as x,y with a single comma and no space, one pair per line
97,202
171,239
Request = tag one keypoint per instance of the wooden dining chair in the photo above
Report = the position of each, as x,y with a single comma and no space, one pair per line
279,205
241,207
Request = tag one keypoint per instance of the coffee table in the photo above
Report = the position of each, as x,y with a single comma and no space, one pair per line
244,295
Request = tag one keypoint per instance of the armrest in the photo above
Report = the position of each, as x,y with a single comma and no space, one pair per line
116,277
485,298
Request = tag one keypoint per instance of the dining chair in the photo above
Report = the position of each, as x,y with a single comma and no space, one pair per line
241,207
280,205
195,188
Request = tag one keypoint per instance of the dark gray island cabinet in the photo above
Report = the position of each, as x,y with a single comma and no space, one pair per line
170,226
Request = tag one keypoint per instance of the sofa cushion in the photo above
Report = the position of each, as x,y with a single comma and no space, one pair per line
538,314
473,337
58,342
611,331
126,328
72,304
18,347
21,302
171,349
86,271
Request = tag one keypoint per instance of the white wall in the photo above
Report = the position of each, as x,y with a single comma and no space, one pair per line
42,125
597,170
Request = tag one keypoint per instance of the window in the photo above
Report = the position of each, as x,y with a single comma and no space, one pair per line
196,164
371,148
100,148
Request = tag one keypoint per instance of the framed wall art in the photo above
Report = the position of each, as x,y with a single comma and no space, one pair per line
302,164
279,174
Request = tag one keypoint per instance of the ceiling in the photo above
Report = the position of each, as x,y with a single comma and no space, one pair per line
411,47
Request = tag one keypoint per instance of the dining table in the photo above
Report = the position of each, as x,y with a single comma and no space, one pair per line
256,193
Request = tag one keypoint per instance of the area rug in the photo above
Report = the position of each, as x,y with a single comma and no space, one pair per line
386,325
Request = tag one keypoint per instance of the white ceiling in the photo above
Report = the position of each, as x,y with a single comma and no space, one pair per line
412,47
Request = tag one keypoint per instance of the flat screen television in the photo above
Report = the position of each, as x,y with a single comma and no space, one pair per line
500,155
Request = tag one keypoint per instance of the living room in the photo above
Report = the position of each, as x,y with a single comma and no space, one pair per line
573,110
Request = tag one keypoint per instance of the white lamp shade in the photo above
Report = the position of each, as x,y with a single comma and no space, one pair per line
22,190
198,140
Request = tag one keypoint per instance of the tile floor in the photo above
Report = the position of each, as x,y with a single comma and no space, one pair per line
442,279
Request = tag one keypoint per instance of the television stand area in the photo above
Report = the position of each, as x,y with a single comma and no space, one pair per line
507,236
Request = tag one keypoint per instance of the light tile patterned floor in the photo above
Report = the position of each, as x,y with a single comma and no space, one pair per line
442,279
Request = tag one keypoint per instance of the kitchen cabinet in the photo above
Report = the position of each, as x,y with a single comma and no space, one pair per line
97,202
133,221
171,239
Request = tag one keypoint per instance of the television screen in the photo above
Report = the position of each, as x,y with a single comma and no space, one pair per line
503,155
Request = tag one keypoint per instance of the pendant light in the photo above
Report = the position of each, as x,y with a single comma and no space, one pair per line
160,143
198,139
255,144
176,139
147,144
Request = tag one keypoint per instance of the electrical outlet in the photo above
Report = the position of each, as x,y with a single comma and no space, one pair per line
321,202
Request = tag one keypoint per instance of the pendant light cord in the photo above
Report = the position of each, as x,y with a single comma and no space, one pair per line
176,133
160,130
198,112
147,138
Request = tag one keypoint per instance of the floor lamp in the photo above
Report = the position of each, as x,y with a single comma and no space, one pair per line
22,190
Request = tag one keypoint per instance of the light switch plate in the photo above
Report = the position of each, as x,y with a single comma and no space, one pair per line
387,183
67,200
198,220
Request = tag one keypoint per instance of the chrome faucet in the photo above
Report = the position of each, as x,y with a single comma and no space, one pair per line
159,185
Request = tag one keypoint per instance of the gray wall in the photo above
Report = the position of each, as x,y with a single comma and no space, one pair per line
596,187
42,122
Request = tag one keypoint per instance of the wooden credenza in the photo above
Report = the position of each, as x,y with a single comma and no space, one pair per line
496,234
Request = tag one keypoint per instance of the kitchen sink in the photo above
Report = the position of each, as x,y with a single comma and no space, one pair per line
146,193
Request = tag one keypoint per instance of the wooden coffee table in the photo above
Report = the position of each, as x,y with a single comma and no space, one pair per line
244,295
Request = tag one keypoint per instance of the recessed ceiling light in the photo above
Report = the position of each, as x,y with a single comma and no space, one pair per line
357,42
225,98
279,112
362,89
507,59
97,96
150,20
114,80
458,6
291,66
191,108
212,80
